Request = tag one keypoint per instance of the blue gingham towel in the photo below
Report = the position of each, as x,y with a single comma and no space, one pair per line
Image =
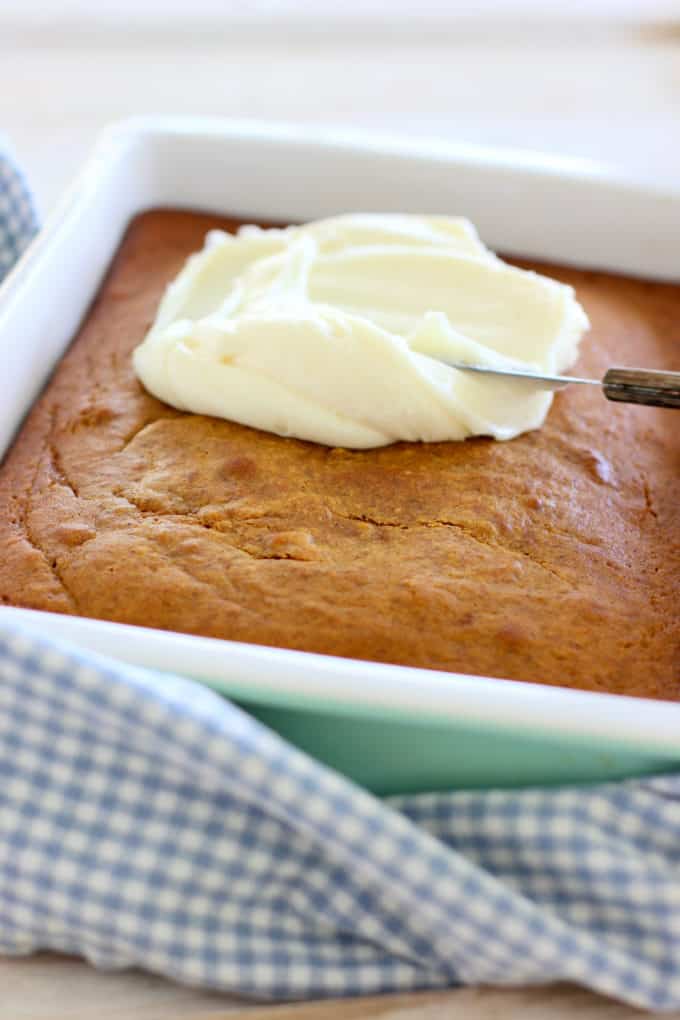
18,220
146,821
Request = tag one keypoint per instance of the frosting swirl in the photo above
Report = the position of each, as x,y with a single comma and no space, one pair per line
333,332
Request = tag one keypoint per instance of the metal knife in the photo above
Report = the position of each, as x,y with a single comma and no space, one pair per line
627,385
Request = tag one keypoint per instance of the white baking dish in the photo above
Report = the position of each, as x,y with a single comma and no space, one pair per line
390,727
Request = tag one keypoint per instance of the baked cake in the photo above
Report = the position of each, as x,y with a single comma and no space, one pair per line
552,558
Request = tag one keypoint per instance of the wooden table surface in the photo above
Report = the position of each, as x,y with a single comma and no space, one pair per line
60,988
567,80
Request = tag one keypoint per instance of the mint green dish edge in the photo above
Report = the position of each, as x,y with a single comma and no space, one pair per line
390,752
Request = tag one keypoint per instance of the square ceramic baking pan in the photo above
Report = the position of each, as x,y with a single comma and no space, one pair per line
391,728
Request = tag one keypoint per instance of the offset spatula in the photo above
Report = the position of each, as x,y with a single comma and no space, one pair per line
628,385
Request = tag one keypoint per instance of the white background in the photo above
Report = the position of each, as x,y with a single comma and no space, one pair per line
597,78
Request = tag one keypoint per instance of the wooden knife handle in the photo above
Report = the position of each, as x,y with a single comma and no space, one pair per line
642,386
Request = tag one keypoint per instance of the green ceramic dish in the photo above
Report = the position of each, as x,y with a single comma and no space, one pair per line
390,728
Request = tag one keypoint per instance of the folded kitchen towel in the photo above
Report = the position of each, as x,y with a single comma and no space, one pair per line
145,821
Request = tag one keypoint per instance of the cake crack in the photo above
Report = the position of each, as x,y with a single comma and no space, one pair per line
223,528
649,504
139,428
57,467
366,519
26,530
440,523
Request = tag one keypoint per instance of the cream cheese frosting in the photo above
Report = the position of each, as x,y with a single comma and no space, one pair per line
339,331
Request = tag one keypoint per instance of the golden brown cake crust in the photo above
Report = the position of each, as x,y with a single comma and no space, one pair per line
552,558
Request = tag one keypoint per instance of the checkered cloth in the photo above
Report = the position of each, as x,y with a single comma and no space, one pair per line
18,221
146,821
